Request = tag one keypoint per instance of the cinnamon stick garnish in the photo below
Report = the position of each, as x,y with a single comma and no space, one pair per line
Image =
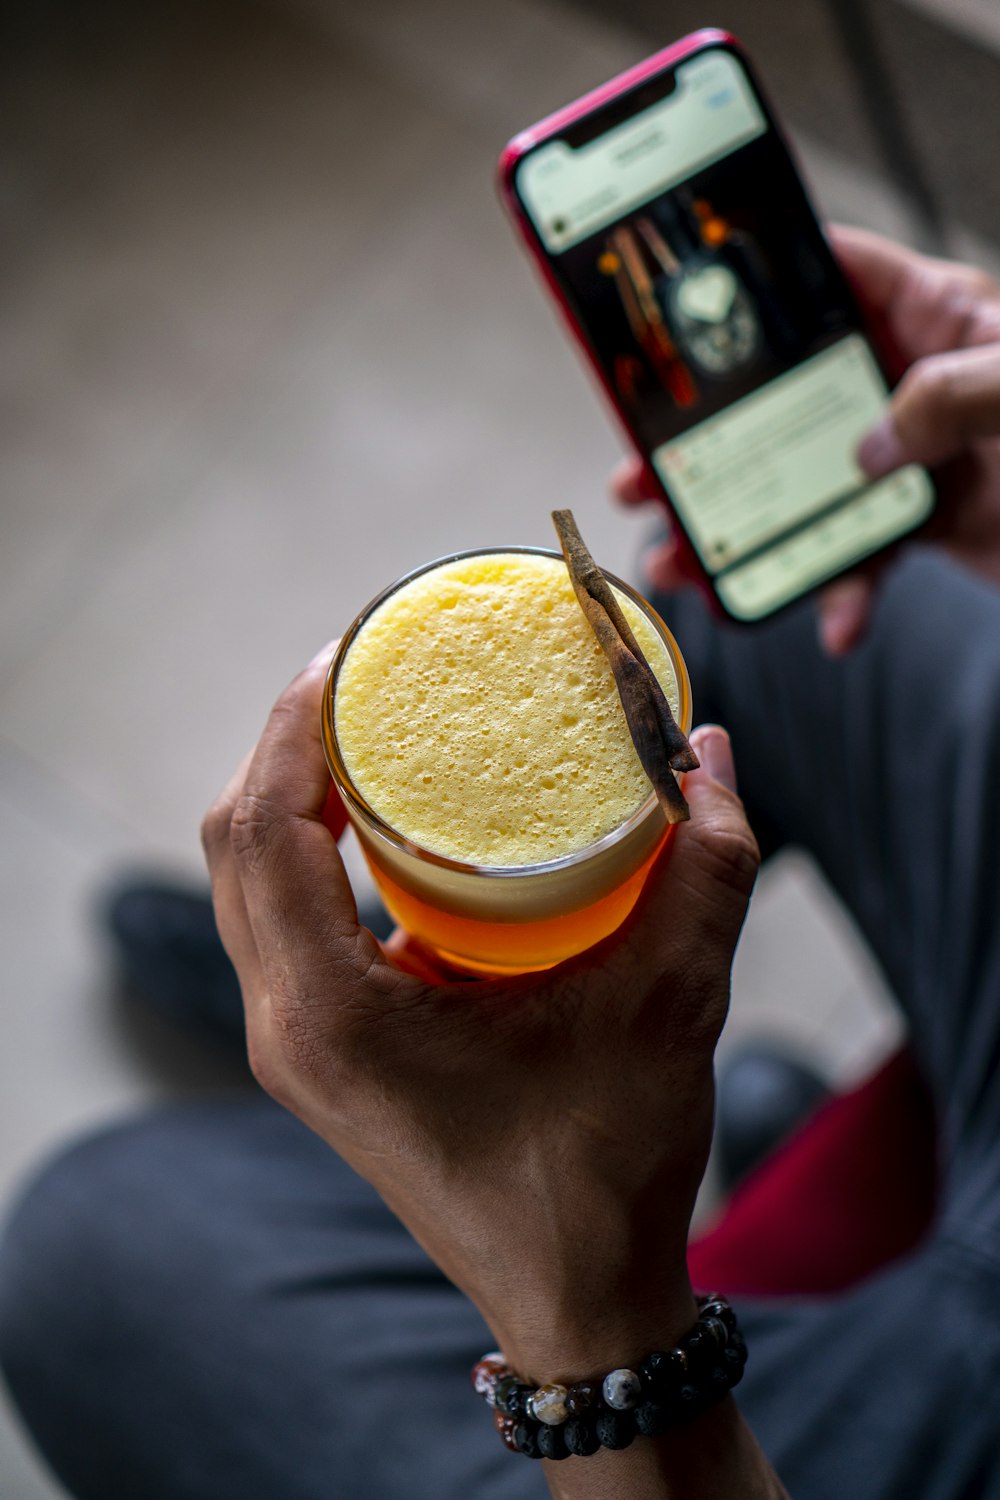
660,743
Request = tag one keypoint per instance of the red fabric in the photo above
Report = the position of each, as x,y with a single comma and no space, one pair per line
853,1189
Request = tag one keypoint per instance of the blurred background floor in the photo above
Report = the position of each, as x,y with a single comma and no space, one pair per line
268,343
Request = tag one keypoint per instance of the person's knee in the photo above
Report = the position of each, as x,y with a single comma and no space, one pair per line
58,1254
88,1260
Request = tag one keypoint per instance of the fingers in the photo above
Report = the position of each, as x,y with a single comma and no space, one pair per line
409,954
227,892
715,753
662,567
845,609
925,306
942,405
220,845
632,483
298,898
944,320
696,899
284,904
880,269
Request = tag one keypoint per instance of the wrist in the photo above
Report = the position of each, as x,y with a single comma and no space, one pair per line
597,1302
569,1342
717,1455
666,1391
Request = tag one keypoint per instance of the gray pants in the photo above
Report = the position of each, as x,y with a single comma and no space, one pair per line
207,1304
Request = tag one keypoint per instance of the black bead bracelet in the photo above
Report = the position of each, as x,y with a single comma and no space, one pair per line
670,1387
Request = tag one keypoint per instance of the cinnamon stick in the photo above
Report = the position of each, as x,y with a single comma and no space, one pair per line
660,743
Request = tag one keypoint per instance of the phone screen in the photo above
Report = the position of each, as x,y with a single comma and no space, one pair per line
684,243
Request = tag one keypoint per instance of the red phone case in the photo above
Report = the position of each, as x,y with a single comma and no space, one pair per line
554,124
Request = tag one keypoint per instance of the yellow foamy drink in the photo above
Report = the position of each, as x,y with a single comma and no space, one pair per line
475,732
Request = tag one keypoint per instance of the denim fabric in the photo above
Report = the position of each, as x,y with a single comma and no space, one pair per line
206,1304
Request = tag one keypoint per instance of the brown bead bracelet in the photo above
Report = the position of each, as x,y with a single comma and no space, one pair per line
669,1388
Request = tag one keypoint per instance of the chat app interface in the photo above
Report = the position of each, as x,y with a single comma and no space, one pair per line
685,245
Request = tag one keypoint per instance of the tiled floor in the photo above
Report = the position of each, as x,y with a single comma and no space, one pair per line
269,342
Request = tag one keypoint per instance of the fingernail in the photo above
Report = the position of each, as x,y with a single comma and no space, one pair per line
836,631
712,747
843,614
880,450
659,565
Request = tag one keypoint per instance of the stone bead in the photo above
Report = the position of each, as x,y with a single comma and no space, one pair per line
718,1307
700,1348
717,1329
621,1389
717,1384
615,1429
733,1367
516,1399
663,1372
503,1389
487,1372
581,1437
551,1443
654,1363
583,1398
651,1420
548,1405
526,1439
690,1403
505,1426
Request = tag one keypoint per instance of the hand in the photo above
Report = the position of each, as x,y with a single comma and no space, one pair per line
543,1137
943,321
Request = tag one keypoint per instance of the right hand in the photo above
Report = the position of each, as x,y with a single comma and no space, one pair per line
944,320
543,1135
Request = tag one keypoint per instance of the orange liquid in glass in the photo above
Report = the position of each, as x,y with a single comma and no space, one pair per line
510,947
472,706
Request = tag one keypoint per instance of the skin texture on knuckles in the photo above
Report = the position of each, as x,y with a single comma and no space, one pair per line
406,1078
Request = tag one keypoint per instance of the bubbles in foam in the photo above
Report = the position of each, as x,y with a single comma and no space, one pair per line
478,716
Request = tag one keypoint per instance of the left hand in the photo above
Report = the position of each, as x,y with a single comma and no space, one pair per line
943,322
543,1137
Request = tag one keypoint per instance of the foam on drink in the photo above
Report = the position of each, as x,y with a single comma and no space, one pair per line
477,715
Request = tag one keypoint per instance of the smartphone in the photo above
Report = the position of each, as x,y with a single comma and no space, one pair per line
668,219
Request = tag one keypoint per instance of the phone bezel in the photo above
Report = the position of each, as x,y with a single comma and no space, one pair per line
592,104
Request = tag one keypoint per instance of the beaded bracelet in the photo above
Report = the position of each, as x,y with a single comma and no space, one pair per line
670,1387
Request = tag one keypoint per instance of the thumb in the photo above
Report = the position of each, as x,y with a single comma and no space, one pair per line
943,404
696,899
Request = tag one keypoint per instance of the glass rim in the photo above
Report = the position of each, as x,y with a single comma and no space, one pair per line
385,830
